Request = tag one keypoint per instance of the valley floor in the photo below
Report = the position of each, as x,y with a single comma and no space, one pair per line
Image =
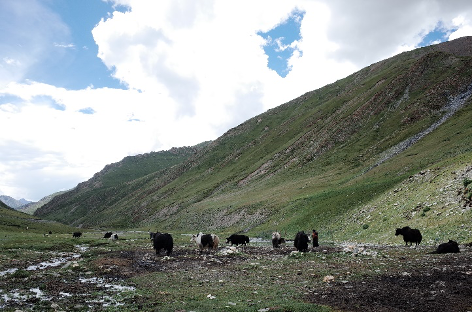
126,275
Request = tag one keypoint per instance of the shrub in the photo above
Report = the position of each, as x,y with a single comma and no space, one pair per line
365,226
21,274
466,182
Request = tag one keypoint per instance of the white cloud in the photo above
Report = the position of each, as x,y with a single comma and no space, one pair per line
369,31
64,45
464,27
193,70
11,61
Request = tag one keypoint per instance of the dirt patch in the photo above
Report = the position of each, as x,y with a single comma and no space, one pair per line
416,282
129,263
432,283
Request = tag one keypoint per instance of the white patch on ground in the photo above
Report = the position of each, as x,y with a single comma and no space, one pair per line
9,271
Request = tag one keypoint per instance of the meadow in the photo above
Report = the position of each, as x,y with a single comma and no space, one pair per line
56,272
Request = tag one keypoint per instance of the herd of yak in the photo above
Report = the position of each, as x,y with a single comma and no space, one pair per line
164,241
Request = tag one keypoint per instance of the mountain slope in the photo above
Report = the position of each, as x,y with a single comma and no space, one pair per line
15,221
112,183
307,163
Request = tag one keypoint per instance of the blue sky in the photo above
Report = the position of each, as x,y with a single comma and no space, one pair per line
281,42
439,34
73,64
84,83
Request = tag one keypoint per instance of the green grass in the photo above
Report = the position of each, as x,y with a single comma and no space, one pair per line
214,290
238,288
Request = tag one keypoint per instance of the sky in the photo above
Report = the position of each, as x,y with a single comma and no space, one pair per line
85,83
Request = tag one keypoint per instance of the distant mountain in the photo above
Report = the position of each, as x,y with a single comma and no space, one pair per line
31,207
387,146
14,203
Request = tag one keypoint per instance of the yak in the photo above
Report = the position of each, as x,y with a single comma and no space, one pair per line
449,247
107,235
277,239
77,234
237,239
209,241
301,241
163,241
410,235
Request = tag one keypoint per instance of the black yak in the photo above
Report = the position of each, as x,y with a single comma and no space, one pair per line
107,235
237,239
410,235
163,241
209,241
449,247
77,234
301,241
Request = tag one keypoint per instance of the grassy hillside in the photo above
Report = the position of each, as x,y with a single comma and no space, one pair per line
15,221
320,161
113,183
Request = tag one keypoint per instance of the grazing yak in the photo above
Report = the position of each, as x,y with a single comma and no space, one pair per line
107,235
449,247
237,239
113,236
277,239
163,241
410,235
77,234
301,241
209,241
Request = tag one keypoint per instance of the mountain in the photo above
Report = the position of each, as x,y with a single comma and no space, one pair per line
13,203
336,159
113,182
31,207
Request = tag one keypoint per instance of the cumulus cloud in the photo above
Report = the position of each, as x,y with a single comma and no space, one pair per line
463,26
370,30
192,70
